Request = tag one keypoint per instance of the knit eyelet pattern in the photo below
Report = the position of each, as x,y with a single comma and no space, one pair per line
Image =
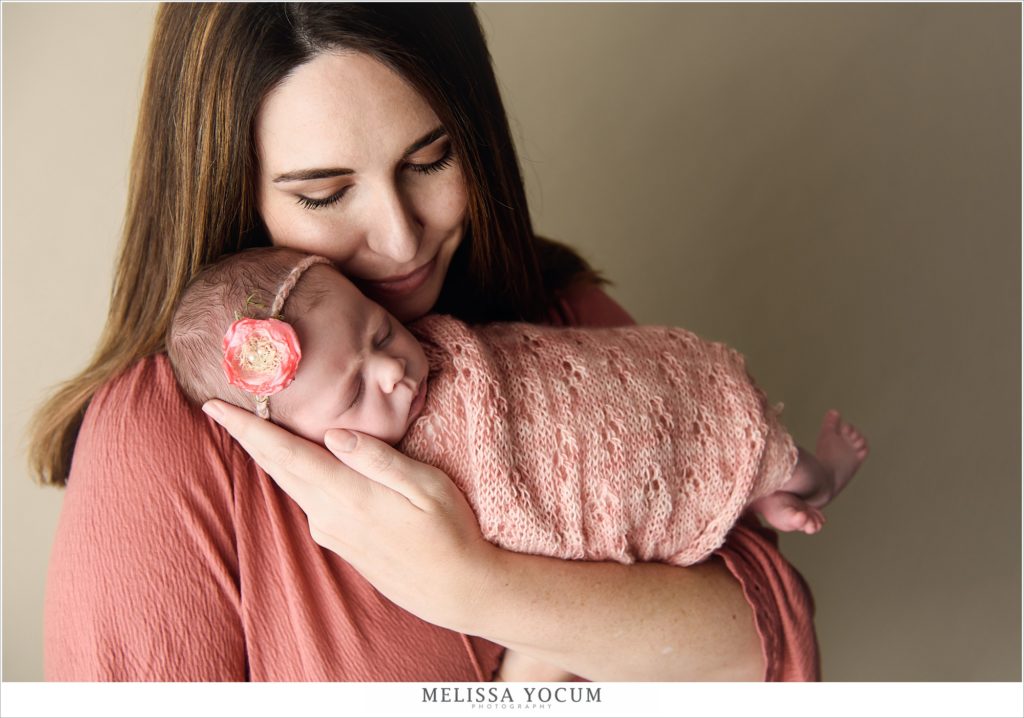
626,444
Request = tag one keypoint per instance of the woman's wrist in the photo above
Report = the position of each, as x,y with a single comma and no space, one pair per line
484,576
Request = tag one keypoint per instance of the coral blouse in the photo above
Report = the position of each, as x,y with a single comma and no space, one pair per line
177,559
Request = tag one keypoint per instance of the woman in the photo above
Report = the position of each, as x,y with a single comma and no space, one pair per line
373,135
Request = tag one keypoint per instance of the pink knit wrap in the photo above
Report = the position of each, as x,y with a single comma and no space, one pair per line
626,444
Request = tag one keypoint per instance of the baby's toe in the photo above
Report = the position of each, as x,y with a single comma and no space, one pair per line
815,520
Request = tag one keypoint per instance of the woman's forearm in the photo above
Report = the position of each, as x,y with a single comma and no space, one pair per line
606,621
406,527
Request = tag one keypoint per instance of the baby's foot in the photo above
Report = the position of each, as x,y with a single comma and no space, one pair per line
840,449
788,512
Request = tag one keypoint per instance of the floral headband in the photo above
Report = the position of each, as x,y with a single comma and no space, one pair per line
262,355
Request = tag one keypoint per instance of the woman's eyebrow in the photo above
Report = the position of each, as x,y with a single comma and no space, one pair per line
433,136
313,174
323,173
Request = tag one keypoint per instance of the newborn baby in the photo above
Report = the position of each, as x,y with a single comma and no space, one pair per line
635,443
627,444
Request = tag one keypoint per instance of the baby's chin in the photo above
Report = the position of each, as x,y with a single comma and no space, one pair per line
395,437
390,436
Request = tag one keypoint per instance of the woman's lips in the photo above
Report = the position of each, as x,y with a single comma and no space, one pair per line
405,284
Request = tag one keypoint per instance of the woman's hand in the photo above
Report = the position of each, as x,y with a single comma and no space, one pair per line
402,524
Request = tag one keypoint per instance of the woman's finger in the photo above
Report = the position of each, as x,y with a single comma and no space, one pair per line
383,463
303,469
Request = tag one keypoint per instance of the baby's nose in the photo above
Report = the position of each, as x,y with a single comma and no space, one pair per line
392,371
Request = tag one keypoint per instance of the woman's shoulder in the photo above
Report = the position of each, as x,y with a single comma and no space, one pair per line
148,379
144,558
587,304
140,418
145,394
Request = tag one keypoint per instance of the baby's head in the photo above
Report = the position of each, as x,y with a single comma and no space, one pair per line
359,369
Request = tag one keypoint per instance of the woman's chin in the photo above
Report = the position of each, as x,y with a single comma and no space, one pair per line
410,308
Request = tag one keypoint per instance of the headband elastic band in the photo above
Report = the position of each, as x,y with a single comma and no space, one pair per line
291,280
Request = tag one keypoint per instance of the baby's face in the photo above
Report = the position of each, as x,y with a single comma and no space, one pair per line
360,368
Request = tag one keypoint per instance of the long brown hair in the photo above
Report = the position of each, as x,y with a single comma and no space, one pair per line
191,193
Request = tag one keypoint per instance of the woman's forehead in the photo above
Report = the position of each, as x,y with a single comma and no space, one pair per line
339,108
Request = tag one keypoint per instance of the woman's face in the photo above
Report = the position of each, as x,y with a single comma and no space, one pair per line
355,166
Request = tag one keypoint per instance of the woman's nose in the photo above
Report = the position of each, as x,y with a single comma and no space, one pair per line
390,372
394,231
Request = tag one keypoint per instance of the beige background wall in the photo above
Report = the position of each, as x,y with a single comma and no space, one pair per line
834,190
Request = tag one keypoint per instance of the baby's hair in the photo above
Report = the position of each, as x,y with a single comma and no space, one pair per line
258,283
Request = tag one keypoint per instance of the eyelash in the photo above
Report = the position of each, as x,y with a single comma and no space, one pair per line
443,163
429,169
383,342
358,396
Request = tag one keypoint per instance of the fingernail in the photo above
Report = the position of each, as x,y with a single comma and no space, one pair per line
341,440
213,411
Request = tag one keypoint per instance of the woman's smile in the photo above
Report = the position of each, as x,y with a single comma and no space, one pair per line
399,285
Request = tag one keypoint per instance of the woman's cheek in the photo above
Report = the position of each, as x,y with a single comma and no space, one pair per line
443,202
303,231
457,198
285,224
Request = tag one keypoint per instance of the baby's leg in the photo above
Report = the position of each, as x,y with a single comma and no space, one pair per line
789,508
841,449
817,479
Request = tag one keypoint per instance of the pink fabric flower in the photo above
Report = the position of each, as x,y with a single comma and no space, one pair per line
261,355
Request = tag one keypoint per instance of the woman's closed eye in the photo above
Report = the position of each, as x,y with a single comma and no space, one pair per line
423,168
314,203
445,161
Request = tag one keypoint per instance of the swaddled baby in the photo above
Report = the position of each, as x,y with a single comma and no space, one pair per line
625,444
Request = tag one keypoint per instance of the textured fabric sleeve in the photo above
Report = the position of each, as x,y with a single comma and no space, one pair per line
777,594
780,598
142,581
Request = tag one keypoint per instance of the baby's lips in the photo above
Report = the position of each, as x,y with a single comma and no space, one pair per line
418,399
